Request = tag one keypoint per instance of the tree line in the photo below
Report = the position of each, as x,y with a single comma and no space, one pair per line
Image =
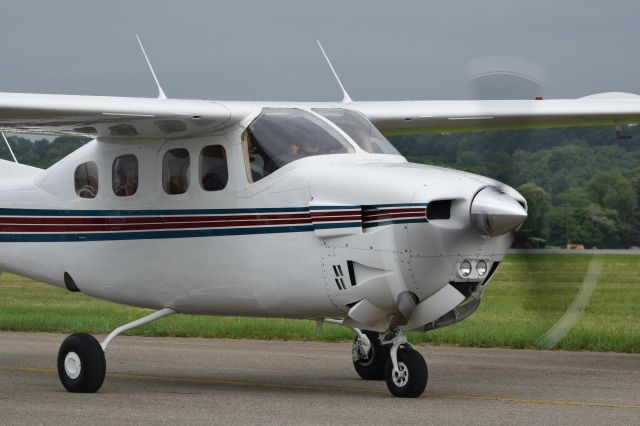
582,184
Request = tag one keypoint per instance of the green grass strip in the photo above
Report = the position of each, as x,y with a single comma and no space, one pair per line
528,295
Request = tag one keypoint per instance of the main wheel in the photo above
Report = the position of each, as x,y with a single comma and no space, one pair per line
81,364
373,367
411,379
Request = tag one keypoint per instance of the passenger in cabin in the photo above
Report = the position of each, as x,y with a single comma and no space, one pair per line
86,180
126,175
309,147
215,180
176,164
88,191
178,185
213,159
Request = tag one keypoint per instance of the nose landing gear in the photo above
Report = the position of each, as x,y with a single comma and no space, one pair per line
369,355
392,358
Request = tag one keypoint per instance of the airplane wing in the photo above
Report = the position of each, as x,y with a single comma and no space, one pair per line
151,118
110,117
407,117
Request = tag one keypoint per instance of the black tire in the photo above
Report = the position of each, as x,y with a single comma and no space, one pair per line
411,362
373,368
88,375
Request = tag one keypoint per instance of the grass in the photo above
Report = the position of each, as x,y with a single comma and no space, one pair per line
526,298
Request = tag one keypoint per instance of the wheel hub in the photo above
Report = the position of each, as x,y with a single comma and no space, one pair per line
400,375
72,365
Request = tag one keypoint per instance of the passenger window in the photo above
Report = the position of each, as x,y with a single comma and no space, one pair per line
175,171
86,180
125,175
214,173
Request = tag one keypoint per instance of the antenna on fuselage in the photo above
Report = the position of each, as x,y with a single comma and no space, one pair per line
161,94
345,96
9,146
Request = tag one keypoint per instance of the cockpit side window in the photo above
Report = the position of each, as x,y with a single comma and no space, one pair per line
279,136
359,129
86,180
125,175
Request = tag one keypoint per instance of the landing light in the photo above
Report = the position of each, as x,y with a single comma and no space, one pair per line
481,268
465,268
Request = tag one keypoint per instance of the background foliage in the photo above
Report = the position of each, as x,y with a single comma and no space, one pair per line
581,180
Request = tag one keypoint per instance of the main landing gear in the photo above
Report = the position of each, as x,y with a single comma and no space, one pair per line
81,361
392,358
82,365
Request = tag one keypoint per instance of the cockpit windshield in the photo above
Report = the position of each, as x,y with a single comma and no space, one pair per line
359,129
282,135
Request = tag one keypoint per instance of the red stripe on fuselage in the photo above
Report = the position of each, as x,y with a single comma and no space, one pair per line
85,224
108,220
373,215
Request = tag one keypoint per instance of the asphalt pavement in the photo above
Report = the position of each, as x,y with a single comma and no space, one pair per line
206,381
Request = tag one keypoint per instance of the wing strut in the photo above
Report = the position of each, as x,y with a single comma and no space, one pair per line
9,146
161,94
346,98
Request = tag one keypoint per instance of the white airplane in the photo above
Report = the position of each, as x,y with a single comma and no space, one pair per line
269,209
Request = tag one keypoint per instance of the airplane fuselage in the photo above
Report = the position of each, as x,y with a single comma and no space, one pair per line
312,240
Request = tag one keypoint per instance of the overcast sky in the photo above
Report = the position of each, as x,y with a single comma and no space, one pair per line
383,50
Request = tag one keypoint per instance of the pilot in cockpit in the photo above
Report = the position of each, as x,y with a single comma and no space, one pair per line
255,157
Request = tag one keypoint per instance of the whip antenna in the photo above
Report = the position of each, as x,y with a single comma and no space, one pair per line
345,96
161,94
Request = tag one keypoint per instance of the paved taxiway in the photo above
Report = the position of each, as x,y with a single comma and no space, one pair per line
201,381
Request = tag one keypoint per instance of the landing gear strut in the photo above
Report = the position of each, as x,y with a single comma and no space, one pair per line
81,361
369,355
392,358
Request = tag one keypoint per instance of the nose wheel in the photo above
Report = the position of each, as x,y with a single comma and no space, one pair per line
409,379
390,358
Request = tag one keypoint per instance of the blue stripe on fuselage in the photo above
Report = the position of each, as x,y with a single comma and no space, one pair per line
152,235
188,233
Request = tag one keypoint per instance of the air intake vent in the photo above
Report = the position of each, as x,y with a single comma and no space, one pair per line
337,269
465,287
340,277
492,271
352,272
439,210
70,283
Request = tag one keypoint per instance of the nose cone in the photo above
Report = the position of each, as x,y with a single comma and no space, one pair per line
495,213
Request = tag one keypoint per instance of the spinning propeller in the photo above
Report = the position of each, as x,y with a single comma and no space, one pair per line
502,77
496,210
